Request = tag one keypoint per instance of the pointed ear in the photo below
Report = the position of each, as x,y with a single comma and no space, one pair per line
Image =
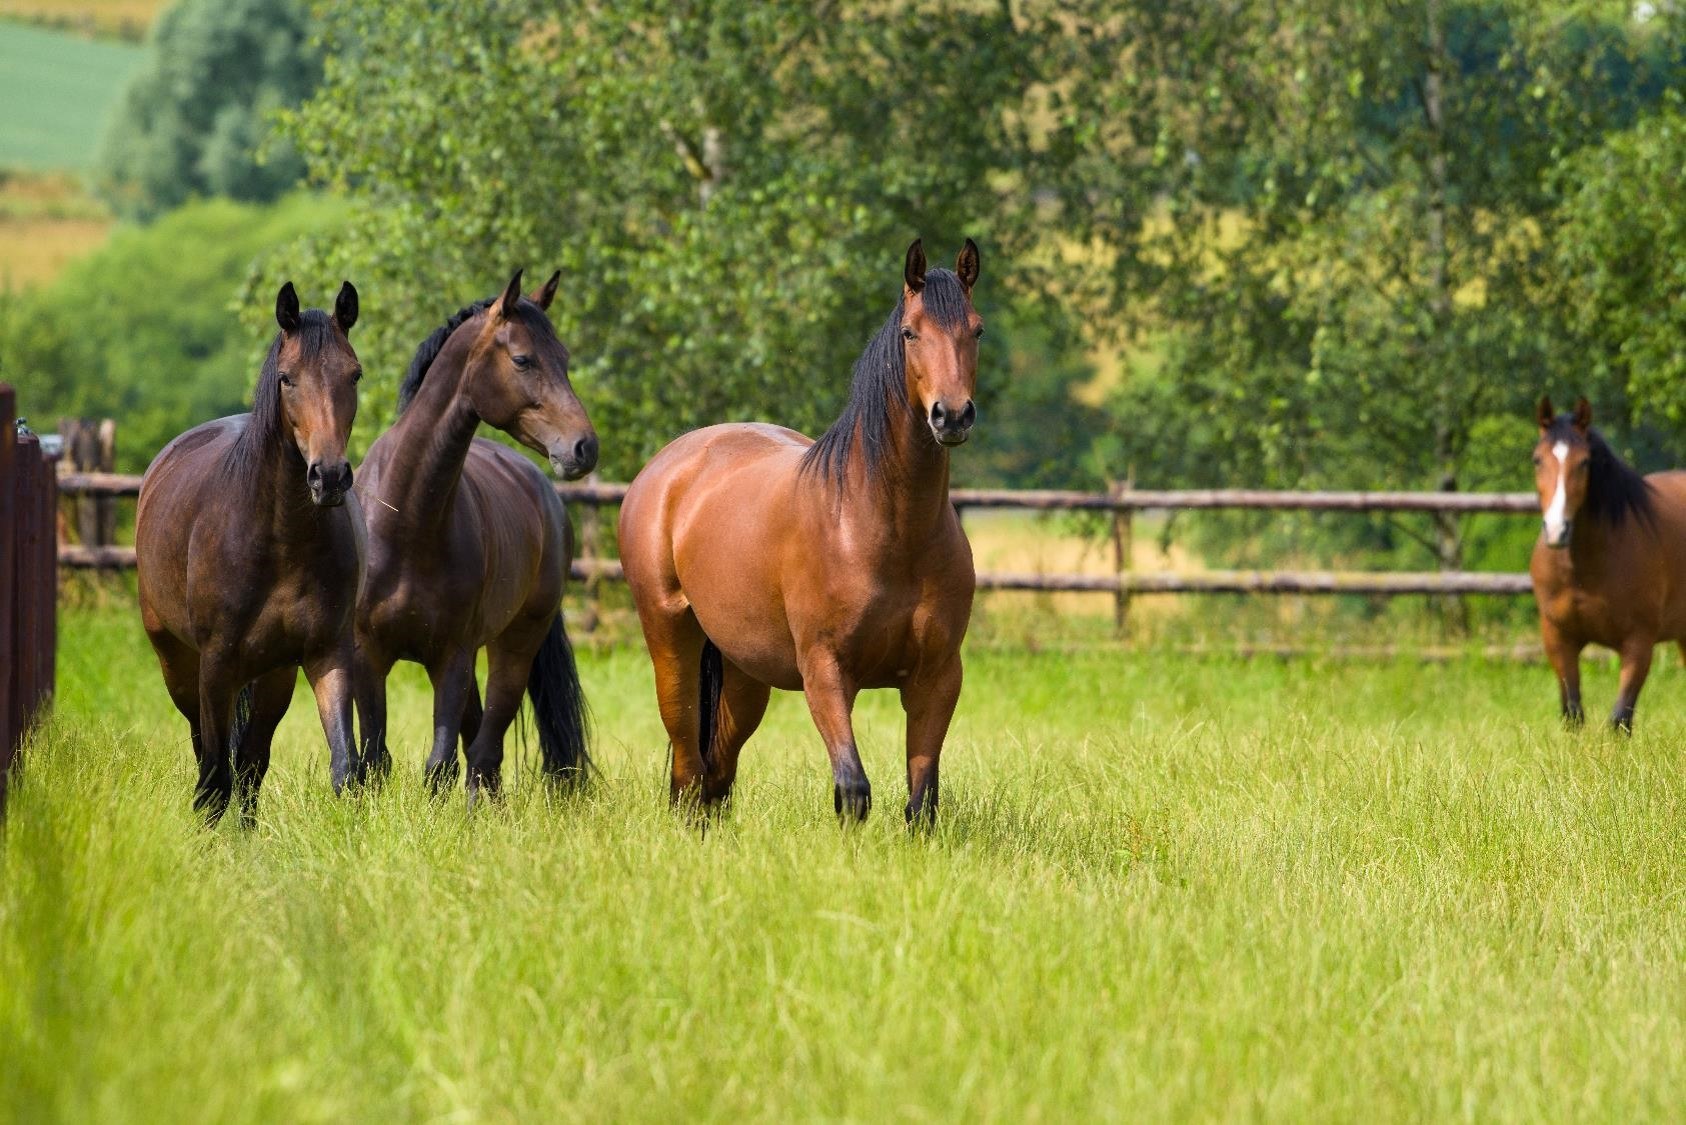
345,307
547,293
913,274
1544,414
287,308
1583,414
511,299
966,265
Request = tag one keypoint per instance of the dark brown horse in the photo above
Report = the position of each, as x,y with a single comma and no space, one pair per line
468,543
760,559
1610,565
249,558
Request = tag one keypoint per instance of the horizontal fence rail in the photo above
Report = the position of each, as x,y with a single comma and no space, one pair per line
1120,503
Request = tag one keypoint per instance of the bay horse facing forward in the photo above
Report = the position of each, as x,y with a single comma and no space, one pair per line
249,556
468,544
759,558
1610,564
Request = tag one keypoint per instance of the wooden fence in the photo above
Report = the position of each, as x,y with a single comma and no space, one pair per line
28,582
1120,504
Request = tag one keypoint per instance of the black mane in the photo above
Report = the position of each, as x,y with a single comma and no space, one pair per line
316,332
430,349
880,384
1614,489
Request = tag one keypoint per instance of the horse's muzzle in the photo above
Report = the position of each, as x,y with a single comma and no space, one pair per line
1561,539
575,461
328,483
952,427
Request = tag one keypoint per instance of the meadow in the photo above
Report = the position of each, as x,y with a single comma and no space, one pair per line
61,86
1163,886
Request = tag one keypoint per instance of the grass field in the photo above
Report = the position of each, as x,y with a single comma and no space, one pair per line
123,19
1163,887
57,88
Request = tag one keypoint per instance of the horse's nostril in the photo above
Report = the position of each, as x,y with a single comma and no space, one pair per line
585,450
938,415
314,474
969,415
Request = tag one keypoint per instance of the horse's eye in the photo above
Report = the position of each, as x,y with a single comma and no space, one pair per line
908,333
286,379
357,376
977,333
1538,462
522,361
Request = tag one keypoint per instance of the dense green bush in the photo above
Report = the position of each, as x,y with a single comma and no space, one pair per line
144,331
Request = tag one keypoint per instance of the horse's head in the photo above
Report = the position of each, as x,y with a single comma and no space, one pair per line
940,331
1562,462
518,381
317,372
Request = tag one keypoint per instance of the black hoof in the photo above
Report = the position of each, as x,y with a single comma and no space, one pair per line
852,801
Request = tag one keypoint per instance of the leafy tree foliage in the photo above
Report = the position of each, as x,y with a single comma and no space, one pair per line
728,189
196,119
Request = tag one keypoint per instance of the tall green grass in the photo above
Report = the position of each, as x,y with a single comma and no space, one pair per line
1163,887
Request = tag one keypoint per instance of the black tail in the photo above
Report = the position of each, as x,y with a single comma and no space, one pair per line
712,678
242,721
559,708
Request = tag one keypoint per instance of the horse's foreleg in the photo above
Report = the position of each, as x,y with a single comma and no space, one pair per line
1565,657
330,679
831,701
450,678
368,675
1636,665
218,687
929,703
271,696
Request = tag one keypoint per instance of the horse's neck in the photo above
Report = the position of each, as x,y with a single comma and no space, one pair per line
276,491
433,437
907,493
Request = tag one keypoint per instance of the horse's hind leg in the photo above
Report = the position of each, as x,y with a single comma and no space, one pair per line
743,703
271,696
180,665
675,642
451,678
1636,666
507,669
472,712
929,704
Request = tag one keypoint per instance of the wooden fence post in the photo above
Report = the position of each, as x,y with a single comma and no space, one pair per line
1123,532
9,648
91,447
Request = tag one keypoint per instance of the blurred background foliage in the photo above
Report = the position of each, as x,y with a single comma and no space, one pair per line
1277,244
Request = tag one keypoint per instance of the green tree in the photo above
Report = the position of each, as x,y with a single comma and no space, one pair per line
196,119
1351,265
728,189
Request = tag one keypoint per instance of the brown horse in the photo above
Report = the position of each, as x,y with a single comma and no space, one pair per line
1610,564
759,558
468,543
250,557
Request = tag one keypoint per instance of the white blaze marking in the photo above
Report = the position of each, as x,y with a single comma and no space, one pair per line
1556,518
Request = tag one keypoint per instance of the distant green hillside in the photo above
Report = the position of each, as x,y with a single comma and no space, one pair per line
57,89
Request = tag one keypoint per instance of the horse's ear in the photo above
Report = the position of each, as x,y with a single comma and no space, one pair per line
1544,414
511,299
547,293
914,272
287,308
966,265
345,307
1583,414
